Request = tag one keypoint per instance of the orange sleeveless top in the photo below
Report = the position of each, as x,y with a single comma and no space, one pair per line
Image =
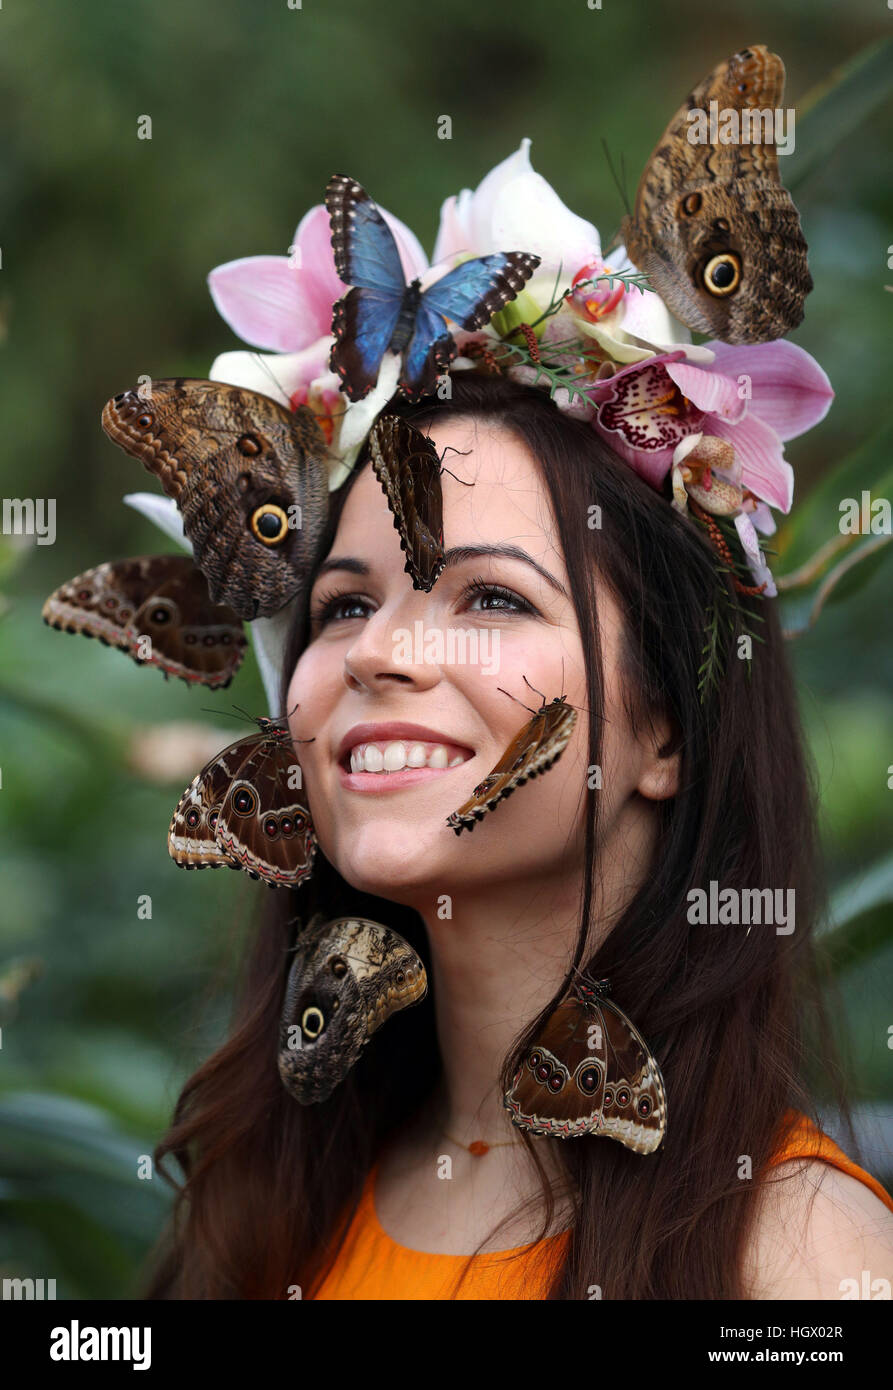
372,1266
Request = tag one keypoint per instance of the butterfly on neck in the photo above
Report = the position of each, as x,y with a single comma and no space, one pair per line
382,313
157,609
346,979
249,478
590,1071
713,226
247,809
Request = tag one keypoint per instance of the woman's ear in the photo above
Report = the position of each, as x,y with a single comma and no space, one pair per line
661,760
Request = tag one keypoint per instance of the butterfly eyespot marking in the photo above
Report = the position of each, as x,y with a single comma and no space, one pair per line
338,966
556,1082
192,818
269,524
271,828
608,1100
312,1022
588,1080
209,640
644,1107
623,1096
212,819
691,204
723,225
144,421
109,603
543,1071
84,595
244,802
249,445
190,639
160,615
534,1060
286,826
722,274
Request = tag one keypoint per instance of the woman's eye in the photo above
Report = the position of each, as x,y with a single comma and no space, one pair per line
493,598
337,608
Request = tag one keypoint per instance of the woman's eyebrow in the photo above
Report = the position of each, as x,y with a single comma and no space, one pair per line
456,556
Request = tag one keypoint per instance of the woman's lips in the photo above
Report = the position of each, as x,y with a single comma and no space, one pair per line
389,764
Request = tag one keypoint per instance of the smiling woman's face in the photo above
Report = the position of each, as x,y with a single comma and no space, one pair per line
361,685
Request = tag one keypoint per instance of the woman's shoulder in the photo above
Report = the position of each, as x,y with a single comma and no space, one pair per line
822,1229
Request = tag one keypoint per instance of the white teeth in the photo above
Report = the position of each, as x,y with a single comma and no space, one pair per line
393,757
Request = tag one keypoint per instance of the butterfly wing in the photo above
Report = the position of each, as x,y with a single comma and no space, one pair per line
532,751
701,206
248,476
347,978
192,837
634,1102
366,257
407,465
468,296
160,597
264,824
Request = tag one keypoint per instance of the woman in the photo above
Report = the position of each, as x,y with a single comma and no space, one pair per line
592,866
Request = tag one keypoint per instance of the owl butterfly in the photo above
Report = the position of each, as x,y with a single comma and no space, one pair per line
408,467
246,810
533,750
713,226
248,476
347,977
157,609
590,1072
382,313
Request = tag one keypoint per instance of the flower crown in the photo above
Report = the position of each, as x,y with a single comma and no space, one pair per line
712,417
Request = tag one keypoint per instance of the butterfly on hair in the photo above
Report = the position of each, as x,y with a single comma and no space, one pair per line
347,977
249,478
590,1071
246,809
383,313
713,226
532,751
157,609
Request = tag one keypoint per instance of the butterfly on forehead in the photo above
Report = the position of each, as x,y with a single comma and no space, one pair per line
249,478
383,313
347,978
246,809
713,226
533,750
158,610
589,1071
408,467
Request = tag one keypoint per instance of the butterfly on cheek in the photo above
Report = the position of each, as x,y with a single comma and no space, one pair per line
383,313
590,1072
532,751
249,478
713,226
246,809
347,978
408,467
158,610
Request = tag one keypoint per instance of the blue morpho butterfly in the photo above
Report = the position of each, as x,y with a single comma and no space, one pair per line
383,312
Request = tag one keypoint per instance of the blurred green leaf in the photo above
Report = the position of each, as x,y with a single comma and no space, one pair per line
848,576
831,111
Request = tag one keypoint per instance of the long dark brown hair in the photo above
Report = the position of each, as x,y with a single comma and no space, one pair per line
736,1018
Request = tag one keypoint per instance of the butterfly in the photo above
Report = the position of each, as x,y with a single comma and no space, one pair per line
246,810
713,226
347,978
590,1072
157,609
533,750
248,476
408,466
382,313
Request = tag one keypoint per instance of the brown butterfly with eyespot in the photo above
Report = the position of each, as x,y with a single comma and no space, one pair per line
533,750
590,1071
248,476
408,467
246,809
347,978
713,226
158,610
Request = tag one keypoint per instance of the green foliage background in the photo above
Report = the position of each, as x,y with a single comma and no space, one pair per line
106,241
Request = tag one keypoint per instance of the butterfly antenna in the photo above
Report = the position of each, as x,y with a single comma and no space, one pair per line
271,374
619,183
224,712
516,700
539,692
